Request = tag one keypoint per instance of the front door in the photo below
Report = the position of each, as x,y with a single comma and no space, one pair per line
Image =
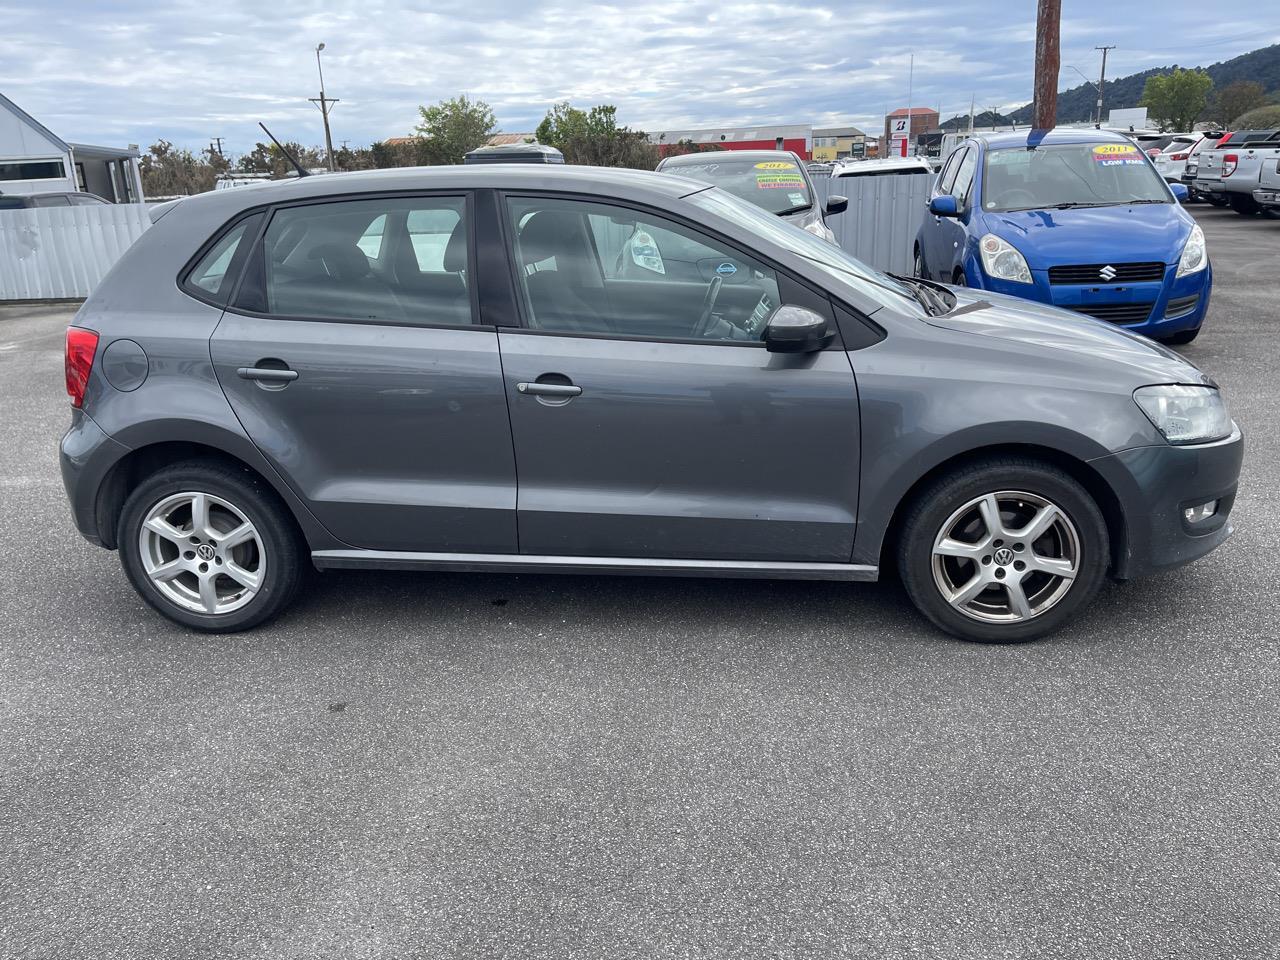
648,419
353,361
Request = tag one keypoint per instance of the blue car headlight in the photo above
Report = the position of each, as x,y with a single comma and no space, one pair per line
1185,414
1002,261
1195,254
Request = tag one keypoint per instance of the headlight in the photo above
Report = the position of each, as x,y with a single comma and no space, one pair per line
1195,255
1001,261
1185,414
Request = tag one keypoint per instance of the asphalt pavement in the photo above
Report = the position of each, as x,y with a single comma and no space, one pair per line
435,766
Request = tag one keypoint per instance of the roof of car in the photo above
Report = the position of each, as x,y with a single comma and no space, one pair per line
1023,138
632,184
737,155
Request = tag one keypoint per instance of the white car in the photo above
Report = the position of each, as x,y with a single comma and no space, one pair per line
888,166
1171,158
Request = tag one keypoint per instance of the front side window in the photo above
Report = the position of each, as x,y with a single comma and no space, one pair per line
592,268
1069,175
778,186
399,260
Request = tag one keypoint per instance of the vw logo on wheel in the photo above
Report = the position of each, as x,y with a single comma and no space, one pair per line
1108,272
205,552
1004,556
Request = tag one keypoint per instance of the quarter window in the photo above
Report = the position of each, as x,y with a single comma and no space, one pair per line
395,260
212,276
592,268
964,177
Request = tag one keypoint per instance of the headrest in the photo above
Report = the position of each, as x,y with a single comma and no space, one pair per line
548,233
342,261
455,252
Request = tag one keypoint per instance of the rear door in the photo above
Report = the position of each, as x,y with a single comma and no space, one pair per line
352,356
648,419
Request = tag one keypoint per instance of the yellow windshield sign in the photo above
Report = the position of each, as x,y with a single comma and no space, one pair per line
775,165
1114,149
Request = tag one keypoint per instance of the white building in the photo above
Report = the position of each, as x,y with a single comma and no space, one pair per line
35,160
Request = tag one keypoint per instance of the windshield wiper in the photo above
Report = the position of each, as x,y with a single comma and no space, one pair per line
932,301
803,206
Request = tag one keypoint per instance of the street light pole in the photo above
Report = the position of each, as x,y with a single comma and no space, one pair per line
324,103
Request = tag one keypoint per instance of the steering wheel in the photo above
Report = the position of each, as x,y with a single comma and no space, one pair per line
708,305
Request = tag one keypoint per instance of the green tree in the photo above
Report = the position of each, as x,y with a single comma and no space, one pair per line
593,137
268,158
1261,119
168,171
456,127
1237,99
1176,99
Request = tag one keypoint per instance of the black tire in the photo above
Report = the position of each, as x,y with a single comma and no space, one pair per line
920,269
1216,199
937,504
1245,206
278,544
1181,339
958,278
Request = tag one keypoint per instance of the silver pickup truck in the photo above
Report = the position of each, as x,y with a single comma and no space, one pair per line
1234,167
1268,192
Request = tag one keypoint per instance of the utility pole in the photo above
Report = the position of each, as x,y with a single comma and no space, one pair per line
911,77
1102,80
217,145
324,103
1048,29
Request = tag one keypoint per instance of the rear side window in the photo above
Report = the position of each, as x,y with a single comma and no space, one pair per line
399,260
213,276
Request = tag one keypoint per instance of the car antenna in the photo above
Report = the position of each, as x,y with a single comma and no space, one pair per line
302,171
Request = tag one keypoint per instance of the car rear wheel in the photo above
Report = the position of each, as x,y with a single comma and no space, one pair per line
210,547
1245,206
1003,551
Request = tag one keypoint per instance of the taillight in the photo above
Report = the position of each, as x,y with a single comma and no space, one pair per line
1229,163
1179,156
81,346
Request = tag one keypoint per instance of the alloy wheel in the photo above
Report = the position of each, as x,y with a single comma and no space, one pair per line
202,553
1006,557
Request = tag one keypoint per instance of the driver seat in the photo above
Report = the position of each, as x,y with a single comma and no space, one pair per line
562,297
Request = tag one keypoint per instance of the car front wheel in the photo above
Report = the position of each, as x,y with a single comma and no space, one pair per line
210,547
1003,551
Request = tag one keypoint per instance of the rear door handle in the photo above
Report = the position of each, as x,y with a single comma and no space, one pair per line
562,390
269,374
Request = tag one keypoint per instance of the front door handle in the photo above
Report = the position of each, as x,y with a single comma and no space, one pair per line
267,374
559,390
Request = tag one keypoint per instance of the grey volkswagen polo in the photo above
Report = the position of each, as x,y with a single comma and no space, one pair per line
517,368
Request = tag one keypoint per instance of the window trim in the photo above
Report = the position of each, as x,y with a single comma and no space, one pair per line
257,252
508,228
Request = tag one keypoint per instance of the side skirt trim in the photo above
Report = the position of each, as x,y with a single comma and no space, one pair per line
642,566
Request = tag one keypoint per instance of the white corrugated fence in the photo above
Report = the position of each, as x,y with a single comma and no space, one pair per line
879,228
62,252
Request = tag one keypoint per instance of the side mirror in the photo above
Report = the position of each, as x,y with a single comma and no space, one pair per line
944,206
793,329
837,204
1180,192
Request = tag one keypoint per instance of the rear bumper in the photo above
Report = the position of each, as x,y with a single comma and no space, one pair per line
85,456
1155,485
1268,196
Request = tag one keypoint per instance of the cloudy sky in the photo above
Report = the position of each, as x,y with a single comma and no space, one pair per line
126,71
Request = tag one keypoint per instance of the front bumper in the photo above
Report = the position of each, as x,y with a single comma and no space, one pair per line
1176,303
1155,484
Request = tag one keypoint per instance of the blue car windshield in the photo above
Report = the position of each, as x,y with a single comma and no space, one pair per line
868,281
1064,175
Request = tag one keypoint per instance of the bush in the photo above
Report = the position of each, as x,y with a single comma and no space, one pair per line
1260,119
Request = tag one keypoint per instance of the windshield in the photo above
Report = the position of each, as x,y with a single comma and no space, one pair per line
1069,175
778,186
869,282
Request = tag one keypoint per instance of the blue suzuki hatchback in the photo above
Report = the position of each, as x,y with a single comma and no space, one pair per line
1075,218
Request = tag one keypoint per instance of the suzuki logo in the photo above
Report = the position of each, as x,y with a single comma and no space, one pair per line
1107,273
